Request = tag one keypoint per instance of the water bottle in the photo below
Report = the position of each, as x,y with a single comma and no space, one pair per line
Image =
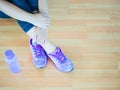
11,60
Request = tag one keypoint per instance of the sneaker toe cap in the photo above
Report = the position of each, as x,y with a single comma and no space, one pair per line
67,67
40,62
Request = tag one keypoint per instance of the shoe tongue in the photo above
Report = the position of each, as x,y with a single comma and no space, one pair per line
56,50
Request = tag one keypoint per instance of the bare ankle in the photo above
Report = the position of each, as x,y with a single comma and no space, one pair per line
49,47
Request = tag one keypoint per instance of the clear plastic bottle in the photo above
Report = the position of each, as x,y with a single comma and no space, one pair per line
11,60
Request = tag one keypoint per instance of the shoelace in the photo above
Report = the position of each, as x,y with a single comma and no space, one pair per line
60,56
37,51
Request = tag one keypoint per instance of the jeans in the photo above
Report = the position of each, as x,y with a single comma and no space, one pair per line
28,6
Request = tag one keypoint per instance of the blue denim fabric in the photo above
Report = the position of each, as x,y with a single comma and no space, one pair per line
27,5
33,5
2,15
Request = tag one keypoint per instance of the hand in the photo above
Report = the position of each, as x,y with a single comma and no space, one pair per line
38,34
41,20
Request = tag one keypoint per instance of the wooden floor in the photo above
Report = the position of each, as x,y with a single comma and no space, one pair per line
88,31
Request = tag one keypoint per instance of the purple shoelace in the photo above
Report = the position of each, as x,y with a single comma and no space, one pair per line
59,55
37,50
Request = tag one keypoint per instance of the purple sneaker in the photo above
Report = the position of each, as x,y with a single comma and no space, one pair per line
39,55
61,61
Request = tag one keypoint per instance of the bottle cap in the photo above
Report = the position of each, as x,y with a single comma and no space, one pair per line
9,54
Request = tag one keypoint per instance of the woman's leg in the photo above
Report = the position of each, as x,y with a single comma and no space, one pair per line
55,53
40,35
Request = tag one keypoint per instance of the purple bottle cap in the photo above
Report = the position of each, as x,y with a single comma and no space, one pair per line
9,54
